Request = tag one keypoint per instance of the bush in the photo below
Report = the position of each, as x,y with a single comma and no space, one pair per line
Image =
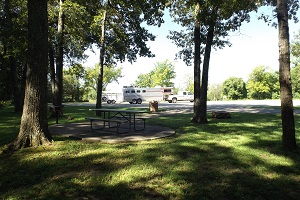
234,88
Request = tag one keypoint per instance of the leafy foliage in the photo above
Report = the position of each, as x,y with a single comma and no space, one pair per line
125,37
295,48
292,8
13,46
263,83
77,35
207,23
295,74
213,12
215,92
162,75
234,88
73,89
111,74
295,71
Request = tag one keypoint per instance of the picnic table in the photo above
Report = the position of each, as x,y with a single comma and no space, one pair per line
114,118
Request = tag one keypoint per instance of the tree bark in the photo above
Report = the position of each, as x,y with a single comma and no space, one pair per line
59,59
100,77
286,97
52,72
197,73
204,85
34,125
15,86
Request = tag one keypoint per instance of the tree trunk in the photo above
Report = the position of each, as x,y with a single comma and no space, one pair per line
197,73
8,70
59,60
34,125
15,86
286,97
204,85
100,77
52,72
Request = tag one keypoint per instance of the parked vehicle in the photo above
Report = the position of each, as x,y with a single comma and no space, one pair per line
181,96
136,95
111,97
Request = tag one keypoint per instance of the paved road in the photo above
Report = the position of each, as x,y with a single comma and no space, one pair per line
249,106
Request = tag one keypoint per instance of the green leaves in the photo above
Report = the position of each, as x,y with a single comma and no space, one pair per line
161,75
234,88
295,74
295,48
125,35
111,74
263,83
295,71
224,16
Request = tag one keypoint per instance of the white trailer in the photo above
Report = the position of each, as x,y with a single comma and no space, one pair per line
112,97
136,95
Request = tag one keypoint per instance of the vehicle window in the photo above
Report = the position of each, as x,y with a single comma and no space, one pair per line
132,91
184,93
144,91
190,93
167,90
138,91
126,91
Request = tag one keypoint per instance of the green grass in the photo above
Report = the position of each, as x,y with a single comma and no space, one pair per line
237,158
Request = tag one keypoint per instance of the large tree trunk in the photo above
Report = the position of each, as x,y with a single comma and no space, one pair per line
34,125
204,85
59,59
100,77
286,97
197,73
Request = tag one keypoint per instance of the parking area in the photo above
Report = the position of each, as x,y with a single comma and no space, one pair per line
248,106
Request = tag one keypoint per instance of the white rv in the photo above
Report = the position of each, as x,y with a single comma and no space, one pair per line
136,95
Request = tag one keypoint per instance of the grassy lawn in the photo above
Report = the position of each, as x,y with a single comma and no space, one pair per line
237,158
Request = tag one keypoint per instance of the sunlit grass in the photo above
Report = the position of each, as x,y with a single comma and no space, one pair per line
237,158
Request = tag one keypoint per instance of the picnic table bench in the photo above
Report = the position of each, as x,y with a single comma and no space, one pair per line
114,118
116,123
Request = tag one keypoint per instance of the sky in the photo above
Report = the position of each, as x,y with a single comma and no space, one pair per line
253,45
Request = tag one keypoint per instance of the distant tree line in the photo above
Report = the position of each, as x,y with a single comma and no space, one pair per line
262,83
80,82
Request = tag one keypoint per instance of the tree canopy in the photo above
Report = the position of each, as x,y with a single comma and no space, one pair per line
207,24
162,74
234,88
125,35
120,35
111,74
263,83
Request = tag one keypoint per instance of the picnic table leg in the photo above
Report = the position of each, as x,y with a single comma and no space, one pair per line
144,125
134,121
91,124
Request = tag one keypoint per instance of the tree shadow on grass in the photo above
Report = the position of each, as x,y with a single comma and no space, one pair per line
197,164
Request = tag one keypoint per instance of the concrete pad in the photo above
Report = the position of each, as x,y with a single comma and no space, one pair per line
82,131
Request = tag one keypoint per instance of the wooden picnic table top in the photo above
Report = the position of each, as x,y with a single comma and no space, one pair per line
118,110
